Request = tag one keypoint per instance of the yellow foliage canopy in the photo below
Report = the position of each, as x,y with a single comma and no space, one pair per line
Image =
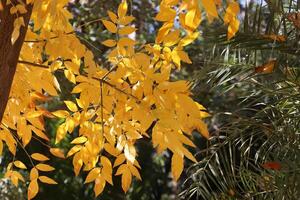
115,107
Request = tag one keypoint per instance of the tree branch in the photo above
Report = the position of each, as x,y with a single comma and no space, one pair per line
9,53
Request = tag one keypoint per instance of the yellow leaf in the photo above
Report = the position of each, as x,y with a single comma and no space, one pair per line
33,114
172,38
202,128
55,66
57,152
126,30
33,189
126,20
106,169
165,14
122,9
27,135
60,133
163,31
188,39
79,140
230,18
134,171
71,106
77,163
108,43
74,150
189,18
111,27
92,175
211,9
99,186
233,28
177,165
39,157
171,2
126,179
15,177
34,174
113,17
130,152
44,167
111,149
70,76
19,164
47,180
39,133
120,159
126,42
61,114
184,57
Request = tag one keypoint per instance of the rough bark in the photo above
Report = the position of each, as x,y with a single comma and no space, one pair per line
9,53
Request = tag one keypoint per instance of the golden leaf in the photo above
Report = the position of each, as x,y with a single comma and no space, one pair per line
211,9
126,180
113,17
39,157
74,150
47,180
111,27
79,140
177,165
34,174
19,164
230,18
57,152
108,43
61,114
92,175
99,186
39,133
172,38
126,30
165,14
44,167
33,189
120,159
122,9
71,106
202,128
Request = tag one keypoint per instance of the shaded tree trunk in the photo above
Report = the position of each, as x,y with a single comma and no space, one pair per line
9,53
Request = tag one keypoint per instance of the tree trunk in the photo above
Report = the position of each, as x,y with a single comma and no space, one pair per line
9,53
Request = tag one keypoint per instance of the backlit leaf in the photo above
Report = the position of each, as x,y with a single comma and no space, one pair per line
19,164
57,152
39,157
33,189
47,180
44,167
71,106
177,165
111,27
